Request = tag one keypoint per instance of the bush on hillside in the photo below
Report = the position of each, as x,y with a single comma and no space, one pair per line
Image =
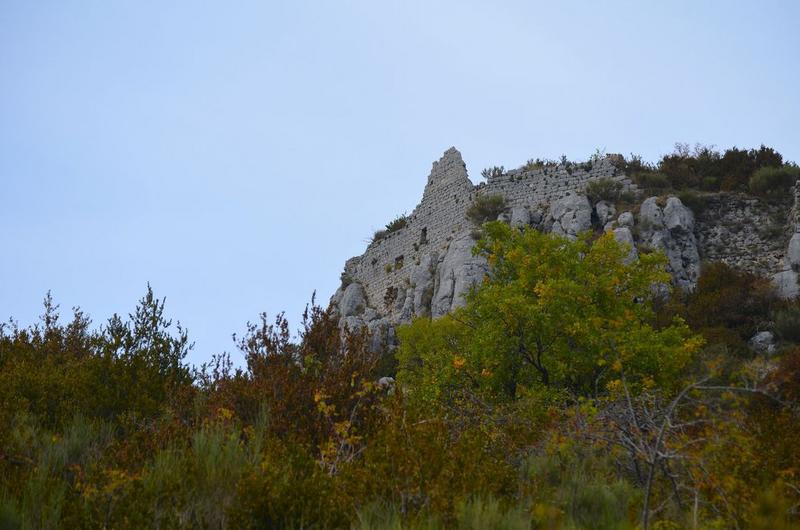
399,222
486,208
787,324
731,299
604,189
773,181
652,181
492,172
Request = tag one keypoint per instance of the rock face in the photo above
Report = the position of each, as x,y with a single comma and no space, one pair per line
671,230
571,215
423,283
786,282
605,212
458,271
625,219
353,301
520,216
793,252
624,235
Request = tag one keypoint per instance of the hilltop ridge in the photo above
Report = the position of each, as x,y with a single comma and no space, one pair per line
422,264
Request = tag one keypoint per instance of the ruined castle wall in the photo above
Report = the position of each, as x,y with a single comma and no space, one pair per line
743,231
431,226
386,265
539,187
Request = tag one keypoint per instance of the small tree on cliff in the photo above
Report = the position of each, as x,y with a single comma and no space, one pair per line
556,315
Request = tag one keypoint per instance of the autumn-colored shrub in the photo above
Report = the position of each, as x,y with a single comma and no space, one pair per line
565,394
731,299
701,168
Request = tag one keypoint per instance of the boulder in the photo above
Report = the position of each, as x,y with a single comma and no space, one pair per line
763,342
651,217
353,300
605,211
625,219
520,216
571,215
677,217
385,382
671,230
536,216
624,236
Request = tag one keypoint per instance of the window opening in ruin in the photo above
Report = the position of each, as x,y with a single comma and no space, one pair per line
423,236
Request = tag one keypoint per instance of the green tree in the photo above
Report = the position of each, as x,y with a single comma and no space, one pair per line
553,315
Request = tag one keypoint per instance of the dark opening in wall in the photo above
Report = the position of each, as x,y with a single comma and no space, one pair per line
398,262
423,236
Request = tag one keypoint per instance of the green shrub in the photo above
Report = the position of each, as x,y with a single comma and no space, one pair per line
774,180
486,208
538,163
287,489
378,235
604,189
584,487
401,221
695,201
492,172
787,324
731,299
479,514
652,180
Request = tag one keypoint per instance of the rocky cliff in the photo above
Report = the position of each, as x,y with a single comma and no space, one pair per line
425,267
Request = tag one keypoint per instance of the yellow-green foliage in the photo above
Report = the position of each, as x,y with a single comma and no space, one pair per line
557,314
506,413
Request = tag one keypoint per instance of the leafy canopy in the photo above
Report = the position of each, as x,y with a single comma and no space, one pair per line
553,315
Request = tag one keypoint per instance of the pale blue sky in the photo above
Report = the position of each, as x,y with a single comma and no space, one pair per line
234,154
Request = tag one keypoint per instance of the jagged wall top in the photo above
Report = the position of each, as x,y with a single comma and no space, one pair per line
448,169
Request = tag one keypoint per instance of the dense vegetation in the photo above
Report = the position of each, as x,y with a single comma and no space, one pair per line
761,171
567,393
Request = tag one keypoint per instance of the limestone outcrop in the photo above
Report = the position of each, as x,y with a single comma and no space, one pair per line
571,215
671,230
426,267
457,272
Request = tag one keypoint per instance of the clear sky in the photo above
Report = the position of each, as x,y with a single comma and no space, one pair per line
234,154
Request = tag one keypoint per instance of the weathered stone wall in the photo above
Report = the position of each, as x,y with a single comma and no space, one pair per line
426,267
538,187
742,231
386,267
387,264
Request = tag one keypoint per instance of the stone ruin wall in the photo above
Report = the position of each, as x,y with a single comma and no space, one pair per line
426,267
744,232
386,266
535,189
